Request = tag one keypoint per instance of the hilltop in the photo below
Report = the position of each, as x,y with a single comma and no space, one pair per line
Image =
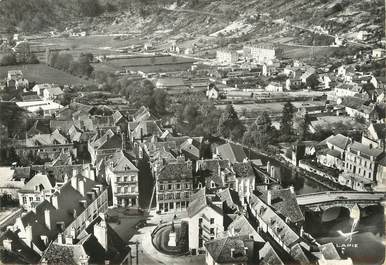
204,20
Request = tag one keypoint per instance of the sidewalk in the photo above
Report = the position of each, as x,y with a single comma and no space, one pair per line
148,254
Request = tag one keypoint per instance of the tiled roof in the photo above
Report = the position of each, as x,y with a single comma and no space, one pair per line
231,250
269,256
272,219
298,253
209,170
242,227
231,198
285,203
63,254
42,181
232,152
364,149
339,140
199,201
120,162
146,128
329,251
175,171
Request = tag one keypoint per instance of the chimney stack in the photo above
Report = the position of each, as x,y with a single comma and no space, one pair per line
7,244
60,238
292,189
232,252
47,219
100,232
81,187
269,197
74,182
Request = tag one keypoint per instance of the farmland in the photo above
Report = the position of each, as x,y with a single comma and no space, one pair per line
42,73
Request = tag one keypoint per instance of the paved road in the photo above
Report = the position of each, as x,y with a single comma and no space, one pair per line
149,255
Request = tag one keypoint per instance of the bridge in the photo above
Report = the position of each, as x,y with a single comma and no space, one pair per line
348,199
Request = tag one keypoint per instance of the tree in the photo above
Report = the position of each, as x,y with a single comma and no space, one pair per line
301,125
8,59
229,124
260,133
287,119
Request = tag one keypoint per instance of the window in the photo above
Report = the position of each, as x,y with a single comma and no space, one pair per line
24,200
161,187
118,179
160,197
178,186
170,186
133,178
186,185
133,188
178,196
212,231
125,179
200,220
212,185
211,220
31,199
118,189
37,199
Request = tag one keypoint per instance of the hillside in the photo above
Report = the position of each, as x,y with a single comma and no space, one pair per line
201,21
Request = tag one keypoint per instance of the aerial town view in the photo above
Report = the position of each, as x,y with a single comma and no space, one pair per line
189,132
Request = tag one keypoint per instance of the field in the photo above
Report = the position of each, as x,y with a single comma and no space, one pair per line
307,51
42,73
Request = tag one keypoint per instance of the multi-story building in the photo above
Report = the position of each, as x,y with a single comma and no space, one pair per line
226,56
206,221
360,168
174,185
262,53
375,135
104,146
122,175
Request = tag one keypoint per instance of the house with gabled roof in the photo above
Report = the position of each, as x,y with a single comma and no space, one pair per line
212,173
174,185
375,135
206,221
122,176
105,145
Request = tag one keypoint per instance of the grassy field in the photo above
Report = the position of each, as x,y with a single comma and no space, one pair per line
42,73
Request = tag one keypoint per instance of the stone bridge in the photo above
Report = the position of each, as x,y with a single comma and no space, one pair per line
322,201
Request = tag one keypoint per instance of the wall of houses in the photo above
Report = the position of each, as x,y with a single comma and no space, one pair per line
173,195
124,186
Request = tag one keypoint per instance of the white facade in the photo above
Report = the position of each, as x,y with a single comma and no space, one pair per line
204,226
226,57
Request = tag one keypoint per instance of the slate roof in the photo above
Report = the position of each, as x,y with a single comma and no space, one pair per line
21,253
285,203
220,250
175,171
339,140
232,152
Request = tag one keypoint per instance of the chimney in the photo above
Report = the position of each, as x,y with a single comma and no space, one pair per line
54,201
232,252
28,235
84,260
47,219
7,244
74,182
269,197
292,189
69,240
44,239
60,238
100,232
83,203
91,195
81,187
